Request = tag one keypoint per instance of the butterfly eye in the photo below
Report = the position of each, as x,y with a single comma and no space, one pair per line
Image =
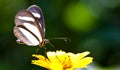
46,40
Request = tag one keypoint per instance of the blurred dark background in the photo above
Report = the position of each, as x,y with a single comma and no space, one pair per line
92,25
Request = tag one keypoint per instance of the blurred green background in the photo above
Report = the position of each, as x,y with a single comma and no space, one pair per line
92,25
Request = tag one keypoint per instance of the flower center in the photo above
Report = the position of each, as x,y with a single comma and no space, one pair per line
67,66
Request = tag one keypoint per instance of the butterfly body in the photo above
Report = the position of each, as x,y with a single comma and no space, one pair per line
29,27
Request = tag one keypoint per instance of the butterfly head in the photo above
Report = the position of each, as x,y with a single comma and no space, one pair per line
42,44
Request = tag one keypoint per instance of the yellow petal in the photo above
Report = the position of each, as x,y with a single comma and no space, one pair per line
77,57
40,63
83,62
52,57
56,66
39,56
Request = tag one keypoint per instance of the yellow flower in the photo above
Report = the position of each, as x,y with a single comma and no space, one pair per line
61,60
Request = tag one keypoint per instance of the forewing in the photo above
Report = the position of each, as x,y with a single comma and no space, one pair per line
37,13
27,29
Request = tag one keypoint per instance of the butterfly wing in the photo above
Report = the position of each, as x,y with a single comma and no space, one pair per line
27,29
37,13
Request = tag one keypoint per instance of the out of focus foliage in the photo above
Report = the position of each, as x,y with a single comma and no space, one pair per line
92,25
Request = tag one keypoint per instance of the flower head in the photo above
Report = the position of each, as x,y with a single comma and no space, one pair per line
61,60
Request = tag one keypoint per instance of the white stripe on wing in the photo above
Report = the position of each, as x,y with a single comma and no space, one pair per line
29,36
34,30
26,18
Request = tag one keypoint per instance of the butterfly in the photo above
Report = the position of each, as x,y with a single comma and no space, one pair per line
30,27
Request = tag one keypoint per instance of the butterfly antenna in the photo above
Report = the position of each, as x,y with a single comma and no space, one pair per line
65,39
